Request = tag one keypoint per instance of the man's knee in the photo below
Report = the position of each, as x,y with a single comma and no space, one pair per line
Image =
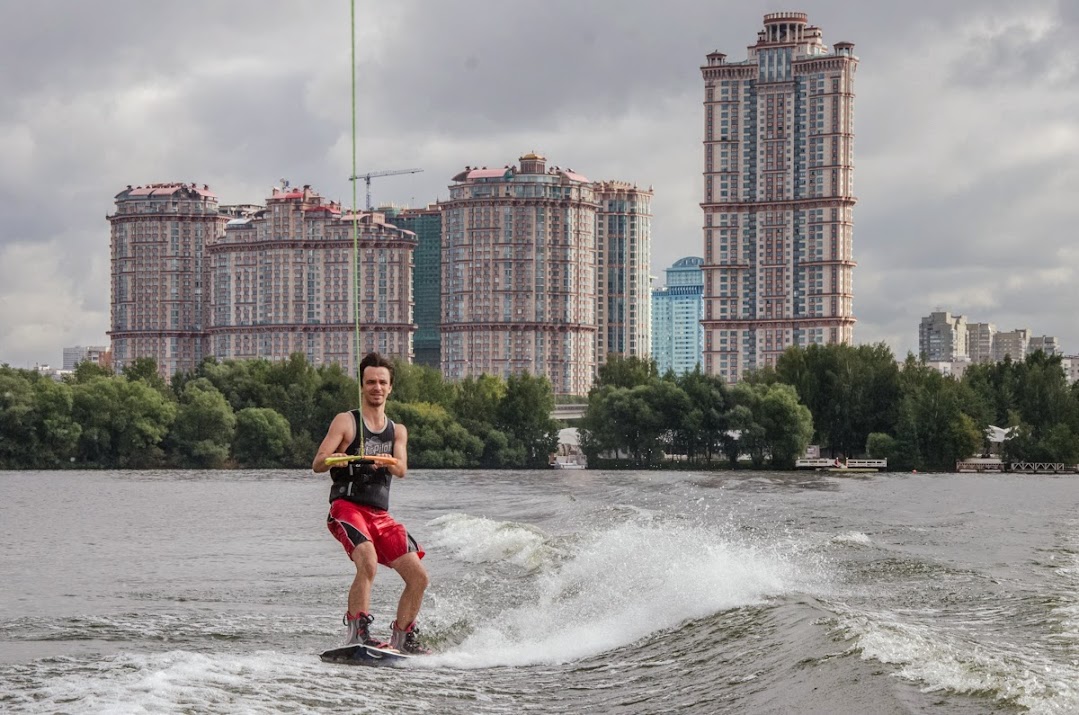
412,571
366,559
419,579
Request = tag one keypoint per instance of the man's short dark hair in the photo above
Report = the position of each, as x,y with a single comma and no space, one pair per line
375,360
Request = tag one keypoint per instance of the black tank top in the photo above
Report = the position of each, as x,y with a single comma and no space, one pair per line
361,483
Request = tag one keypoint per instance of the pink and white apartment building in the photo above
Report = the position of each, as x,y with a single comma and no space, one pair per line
262,282
159,299
778,197
519,274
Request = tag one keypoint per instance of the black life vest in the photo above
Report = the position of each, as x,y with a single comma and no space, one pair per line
364,483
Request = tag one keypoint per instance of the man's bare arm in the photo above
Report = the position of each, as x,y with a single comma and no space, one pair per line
337,439
400,451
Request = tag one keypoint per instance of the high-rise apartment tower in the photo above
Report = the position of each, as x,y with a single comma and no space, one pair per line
943,337
519,274
160,302
426,223
677,337
623,258
284,281
778,197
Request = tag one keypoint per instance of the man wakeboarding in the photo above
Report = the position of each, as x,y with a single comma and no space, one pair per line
363,450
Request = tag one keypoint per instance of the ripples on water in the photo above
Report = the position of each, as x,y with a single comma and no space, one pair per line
585,592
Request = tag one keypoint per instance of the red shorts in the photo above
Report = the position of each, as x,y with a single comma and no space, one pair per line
352,524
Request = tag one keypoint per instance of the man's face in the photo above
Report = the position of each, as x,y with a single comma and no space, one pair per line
376,385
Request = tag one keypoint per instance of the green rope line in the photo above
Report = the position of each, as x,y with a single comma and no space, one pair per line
355,228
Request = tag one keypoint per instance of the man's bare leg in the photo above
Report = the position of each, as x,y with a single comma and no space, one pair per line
359,595
415,577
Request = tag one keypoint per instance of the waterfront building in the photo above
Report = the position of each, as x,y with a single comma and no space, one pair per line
980,342
159,305
97,354
1011,343
623,257
677,335
283,281
942,337
778,197
519,274
426,224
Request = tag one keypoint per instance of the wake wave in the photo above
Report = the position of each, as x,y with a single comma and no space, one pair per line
616,586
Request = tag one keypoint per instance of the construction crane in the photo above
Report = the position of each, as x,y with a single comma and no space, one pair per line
372,174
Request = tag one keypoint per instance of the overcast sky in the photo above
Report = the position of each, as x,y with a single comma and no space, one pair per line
966,121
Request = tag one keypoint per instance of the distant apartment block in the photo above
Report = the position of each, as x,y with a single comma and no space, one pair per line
942,337
193,279
519,274
1070,364
1012,343
954,368
159,300
97,354
778,197
980,341
426,224
623,258
283,281
1046,343
677,335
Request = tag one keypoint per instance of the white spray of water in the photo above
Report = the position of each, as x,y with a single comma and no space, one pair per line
621,584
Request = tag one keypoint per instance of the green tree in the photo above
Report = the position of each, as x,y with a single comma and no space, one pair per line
86,371
202,432
774,426
36,428
936,427
262,437
787,425
123,422
524,415
620,371
881,446
850,391
419,383
145,369
622,422
435,439
705,424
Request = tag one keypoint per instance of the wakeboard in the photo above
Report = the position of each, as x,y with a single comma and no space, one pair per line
365,655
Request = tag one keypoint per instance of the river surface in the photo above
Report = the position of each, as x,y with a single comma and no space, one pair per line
551,592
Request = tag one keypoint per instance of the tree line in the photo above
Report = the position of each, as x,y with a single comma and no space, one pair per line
260,414
850,400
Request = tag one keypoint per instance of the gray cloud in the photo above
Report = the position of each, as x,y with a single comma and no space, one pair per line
966,149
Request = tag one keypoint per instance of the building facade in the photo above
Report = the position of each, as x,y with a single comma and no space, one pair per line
1011,344
623,257
426,224
159,303
1048,344
942,337
519,274
980,342
677,335
284,281
97,354
778,197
